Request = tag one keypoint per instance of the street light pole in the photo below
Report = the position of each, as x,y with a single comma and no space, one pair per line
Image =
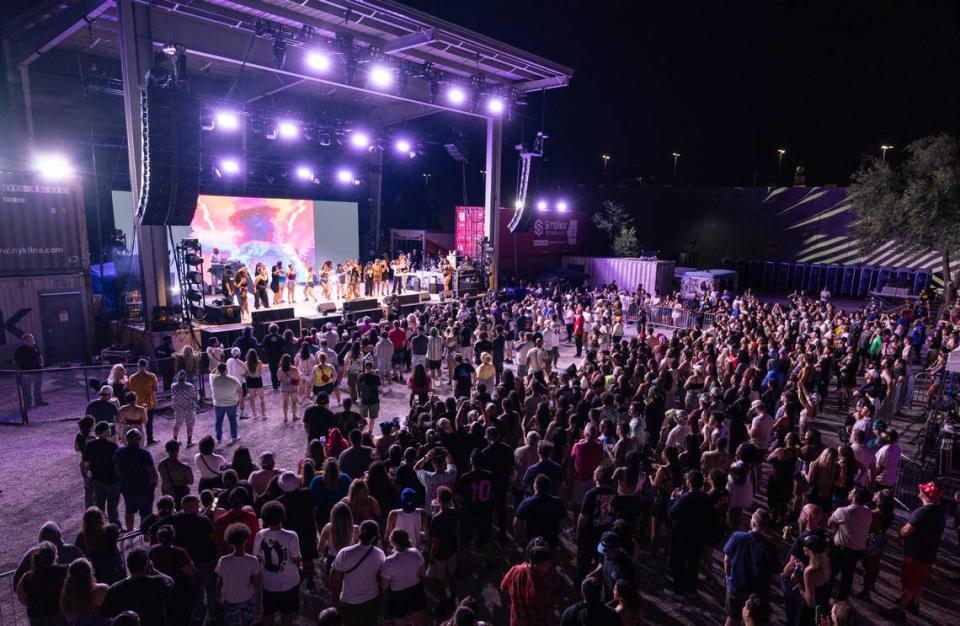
780,153
883,151
606,158
676,157
426,179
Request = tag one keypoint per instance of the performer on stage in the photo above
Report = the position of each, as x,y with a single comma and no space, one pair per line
243,285
325,270
447,268
228,285
368,280
260,282
341,282
291,284
400,267
276,274
378,274
309,284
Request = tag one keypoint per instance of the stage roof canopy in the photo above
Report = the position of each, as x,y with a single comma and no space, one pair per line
224,37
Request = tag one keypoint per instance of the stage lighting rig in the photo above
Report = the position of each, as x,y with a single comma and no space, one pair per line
279,50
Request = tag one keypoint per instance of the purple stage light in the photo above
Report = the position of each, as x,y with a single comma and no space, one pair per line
456,95
380,76
542,205
562,206
318,61
304,173
360,140
227,120
287,129
53,166
230,166
344,176
402,145
496,105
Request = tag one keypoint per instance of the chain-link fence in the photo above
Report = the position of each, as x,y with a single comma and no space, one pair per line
678,318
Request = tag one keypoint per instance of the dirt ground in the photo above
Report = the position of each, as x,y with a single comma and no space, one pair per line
40,480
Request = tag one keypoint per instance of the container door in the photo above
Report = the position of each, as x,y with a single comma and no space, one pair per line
64,327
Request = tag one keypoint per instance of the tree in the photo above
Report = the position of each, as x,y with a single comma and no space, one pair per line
615,221
916,204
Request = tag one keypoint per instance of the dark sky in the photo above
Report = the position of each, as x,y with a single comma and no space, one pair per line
727,83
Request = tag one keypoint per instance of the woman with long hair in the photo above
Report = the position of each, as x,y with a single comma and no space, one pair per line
783,463
335,444
304,361
242,463
117,379
363,506
338,533
402,577
626,602
82,596
486,372
353,366
420,385
381,488
821,476
848,468
98,541
253,376
328,488
289,378
39,589
291,283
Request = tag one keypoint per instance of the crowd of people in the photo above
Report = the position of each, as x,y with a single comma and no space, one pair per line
676,462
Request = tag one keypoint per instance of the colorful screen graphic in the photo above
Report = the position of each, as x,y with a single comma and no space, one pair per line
251,230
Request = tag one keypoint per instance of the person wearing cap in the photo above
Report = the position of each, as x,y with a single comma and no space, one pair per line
227,393
279,552
175,475
97,458
298,505
761,426
921,541
104,407
184,399
615,564
414,521
355,578
235,367
138,477
810,585
143,382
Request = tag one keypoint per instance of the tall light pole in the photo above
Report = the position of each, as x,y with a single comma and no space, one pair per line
426,179
676,158
883,151
780,153
606,159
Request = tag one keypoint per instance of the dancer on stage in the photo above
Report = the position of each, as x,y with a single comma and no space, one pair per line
379,271
260,282
341,282
228,285
400,268
368,280
291,284
447,268
309,284
325,270
276,275
243,285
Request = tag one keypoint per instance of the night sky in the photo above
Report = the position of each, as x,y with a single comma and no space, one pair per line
725,84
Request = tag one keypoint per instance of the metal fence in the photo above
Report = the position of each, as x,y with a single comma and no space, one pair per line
680,319
67,390
12,613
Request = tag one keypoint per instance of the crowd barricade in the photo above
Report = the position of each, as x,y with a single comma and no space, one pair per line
911,475
669,317
12,613
67,390
898,397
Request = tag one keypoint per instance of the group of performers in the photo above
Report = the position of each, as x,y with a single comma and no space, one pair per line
349,280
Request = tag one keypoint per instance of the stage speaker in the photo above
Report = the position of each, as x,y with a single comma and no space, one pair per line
225,314
425,296
272,314
327,307
408,298
361,305
434,288
170,172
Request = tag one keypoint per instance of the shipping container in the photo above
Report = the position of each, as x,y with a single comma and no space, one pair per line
44,230
655,276
55,309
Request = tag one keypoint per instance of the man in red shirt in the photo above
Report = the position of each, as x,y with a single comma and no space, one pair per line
578,323
239,500
528,587
398,337
587,455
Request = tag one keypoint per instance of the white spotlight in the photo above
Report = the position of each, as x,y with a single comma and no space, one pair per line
53,166
318,61
227,120
344,176
381,76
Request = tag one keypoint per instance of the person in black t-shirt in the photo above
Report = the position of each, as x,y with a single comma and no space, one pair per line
273,347
442,556
463,375
368,389
318,419
143,591
28,357
498,458
194,533
475,495
539,515
165,363
596,517
104,408
98,464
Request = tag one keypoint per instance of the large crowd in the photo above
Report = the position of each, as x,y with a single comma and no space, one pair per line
662,461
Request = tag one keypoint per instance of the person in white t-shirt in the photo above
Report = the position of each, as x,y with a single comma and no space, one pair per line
279,553
355,578
402,577
761,427
866,457
888,461
239,578
852,524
